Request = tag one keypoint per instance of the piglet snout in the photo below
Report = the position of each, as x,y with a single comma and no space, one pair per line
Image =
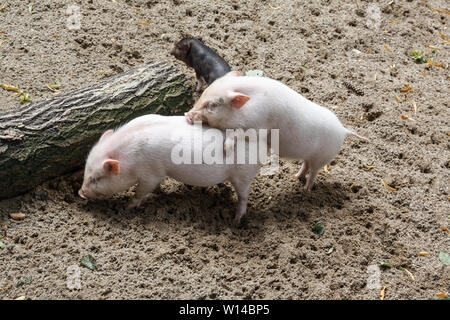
194,116
81,194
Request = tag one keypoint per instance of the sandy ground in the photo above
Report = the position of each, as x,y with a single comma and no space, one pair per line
181,244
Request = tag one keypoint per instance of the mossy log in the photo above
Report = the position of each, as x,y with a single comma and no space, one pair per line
50,138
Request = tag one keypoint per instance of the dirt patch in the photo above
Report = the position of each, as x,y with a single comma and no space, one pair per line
181,243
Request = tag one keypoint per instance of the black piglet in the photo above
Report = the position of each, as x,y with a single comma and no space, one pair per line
208,65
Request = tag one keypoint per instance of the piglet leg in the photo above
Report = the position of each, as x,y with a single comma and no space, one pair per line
303,170
242,189
143,189
311,178
200,82
306,166
228,146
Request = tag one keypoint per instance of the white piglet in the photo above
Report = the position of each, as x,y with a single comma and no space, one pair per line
142,153
307,131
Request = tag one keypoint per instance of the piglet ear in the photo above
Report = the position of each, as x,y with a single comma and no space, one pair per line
237,100
233,74
106,134
111,166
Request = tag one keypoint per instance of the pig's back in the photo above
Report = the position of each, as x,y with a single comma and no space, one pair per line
307,130
164,140
310,131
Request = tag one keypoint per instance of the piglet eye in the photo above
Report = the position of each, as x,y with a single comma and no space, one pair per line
95,180
211,105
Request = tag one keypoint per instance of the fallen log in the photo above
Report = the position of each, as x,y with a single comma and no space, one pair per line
50,138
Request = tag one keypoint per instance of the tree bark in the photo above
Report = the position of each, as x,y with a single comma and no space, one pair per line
46,139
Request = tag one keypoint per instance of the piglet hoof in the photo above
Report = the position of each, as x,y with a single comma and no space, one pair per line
241,223
301,174
237,220
188,118
134,203
301,179
199,86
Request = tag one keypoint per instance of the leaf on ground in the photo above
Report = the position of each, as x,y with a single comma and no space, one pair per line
25,98
9,88
318,229
22,281
330,250
256,73
442,295
408,273
89,262
388,186
445,258
386,265
2,245
54,86
382,293
419,56
17,216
